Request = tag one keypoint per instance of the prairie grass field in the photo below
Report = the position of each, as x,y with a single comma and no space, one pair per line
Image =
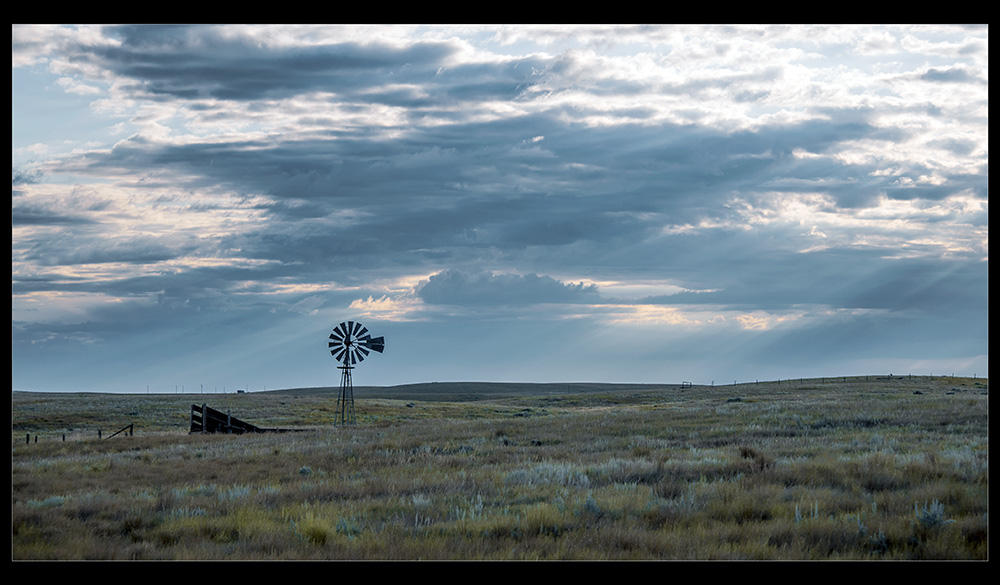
855,468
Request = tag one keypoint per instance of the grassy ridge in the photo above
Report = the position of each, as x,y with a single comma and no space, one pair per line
855,468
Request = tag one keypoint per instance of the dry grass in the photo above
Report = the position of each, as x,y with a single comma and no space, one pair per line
812,469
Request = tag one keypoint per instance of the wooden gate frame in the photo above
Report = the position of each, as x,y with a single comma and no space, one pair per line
209,420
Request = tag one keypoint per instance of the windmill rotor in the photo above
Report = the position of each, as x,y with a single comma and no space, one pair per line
350,343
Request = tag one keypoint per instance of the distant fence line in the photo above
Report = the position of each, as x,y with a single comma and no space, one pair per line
824,380
128,429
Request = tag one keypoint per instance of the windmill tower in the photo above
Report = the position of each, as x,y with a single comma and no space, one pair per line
349,344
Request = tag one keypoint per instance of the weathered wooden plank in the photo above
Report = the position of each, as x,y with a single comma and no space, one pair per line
208,420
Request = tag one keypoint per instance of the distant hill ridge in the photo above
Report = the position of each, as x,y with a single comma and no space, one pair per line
479,390
460,391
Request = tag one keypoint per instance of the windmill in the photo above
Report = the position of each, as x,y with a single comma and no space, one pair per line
349,344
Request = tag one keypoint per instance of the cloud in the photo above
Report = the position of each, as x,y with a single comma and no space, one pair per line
453,287
953,75
197,62
765,180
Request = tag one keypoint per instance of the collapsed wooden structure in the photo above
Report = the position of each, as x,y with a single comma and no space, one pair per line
209,420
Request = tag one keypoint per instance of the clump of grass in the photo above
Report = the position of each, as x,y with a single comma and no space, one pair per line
549,472
929,519
757,462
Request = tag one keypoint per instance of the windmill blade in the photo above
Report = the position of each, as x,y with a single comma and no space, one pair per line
350,328
337,353
363,331
357,327
361,348
334,336
341,330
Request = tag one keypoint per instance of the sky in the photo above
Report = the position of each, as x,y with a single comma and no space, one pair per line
194,208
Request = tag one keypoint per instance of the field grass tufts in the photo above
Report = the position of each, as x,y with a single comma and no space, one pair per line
798,470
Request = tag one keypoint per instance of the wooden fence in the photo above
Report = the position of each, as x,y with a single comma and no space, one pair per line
209,420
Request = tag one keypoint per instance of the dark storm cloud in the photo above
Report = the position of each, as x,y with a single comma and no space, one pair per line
25,214
461,191
199,62
457,229
664,162
125,250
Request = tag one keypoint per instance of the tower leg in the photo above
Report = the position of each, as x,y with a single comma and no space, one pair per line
345,403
